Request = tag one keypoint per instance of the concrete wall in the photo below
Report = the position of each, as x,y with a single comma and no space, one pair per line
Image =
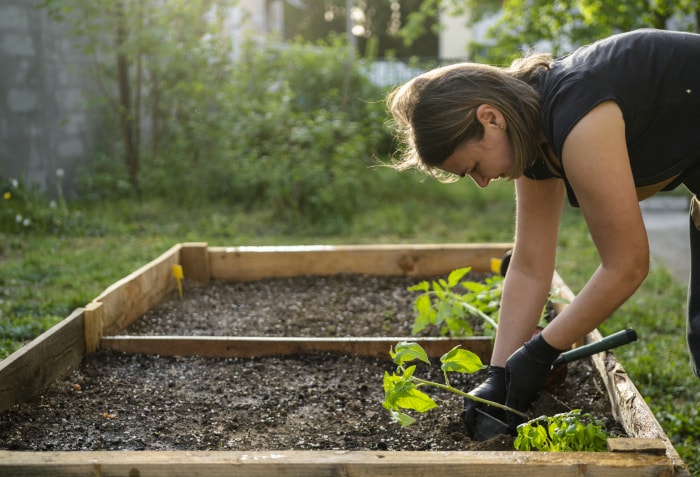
44,122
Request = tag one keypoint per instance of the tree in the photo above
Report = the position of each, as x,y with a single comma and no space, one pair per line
561,25
152,59
377,25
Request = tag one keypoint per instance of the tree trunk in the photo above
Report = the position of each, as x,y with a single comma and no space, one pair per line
126,117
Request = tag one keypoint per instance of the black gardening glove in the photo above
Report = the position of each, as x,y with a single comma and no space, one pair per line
493,389
526,373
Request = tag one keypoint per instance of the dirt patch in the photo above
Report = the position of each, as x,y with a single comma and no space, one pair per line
318,401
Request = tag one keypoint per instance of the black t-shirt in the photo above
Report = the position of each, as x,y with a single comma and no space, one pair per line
654,77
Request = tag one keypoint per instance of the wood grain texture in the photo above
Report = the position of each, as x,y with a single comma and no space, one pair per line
333,463
93,323
29,370
254,263
132,296
249,347
194,258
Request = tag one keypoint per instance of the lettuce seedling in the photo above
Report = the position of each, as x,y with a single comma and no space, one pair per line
402,388
569,431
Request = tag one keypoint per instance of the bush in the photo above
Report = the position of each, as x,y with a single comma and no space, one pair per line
294,130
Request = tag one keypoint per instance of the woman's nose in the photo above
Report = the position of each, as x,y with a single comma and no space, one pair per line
480,180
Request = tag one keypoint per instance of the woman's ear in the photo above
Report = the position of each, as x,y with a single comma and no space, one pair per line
490,116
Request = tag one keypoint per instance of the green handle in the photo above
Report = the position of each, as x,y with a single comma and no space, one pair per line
609,342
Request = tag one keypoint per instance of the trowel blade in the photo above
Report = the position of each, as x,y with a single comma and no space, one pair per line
488,427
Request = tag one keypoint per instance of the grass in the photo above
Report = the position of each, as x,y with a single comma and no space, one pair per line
46,276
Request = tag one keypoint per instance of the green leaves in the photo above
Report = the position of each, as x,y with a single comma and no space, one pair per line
402,392
459,360
406,352
401,388
570,431
457,314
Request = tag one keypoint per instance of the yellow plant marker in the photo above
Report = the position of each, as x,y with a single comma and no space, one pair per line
496,265
177,273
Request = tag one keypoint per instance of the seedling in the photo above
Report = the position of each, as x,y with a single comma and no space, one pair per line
401,388
441,305
570,431
454,313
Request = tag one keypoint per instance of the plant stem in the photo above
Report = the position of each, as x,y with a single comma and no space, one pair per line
480,314
451,389
470,308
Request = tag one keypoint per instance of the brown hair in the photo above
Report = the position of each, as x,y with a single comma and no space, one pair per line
435,112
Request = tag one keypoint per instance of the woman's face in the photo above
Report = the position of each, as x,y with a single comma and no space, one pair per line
485,159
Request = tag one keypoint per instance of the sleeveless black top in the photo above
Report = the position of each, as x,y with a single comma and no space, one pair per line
654,77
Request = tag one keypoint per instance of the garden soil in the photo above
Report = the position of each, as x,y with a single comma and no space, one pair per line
320,401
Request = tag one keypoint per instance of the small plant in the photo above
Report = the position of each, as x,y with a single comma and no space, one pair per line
402,388
455,313
452,312
569,431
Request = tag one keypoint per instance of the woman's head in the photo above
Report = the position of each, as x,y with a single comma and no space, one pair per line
436,112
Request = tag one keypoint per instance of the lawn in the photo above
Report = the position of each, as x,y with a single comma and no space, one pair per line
45,276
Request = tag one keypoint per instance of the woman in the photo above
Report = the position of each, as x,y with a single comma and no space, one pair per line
608,125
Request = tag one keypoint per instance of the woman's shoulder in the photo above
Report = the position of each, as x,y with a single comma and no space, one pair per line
621,68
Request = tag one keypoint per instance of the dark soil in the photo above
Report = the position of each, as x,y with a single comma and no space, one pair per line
319,401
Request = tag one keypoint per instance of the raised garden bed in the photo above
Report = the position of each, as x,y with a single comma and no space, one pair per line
50,367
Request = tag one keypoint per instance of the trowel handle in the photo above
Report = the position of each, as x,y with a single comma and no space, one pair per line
609,342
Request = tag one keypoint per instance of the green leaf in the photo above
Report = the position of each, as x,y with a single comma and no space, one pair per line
456,275
403,419
401,392
412,398
408,351
424,313
459,360
422,304
423,286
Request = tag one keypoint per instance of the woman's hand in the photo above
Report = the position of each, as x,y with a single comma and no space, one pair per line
527,371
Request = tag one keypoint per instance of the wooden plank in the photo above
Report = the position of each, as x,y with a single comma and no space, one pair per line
631,444
255,263
194,258
93,324
132,296
629,407
333,463
248,347
29,370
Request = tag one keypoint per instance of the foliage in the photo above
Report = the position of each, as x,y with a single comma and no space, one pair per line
558,26
402,388
569,431
304,139
376,26
563,25
290,128
151,60
454,313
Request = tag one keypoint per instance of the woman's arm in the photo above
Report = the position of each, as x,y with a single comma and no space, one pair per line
598,167
529,278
